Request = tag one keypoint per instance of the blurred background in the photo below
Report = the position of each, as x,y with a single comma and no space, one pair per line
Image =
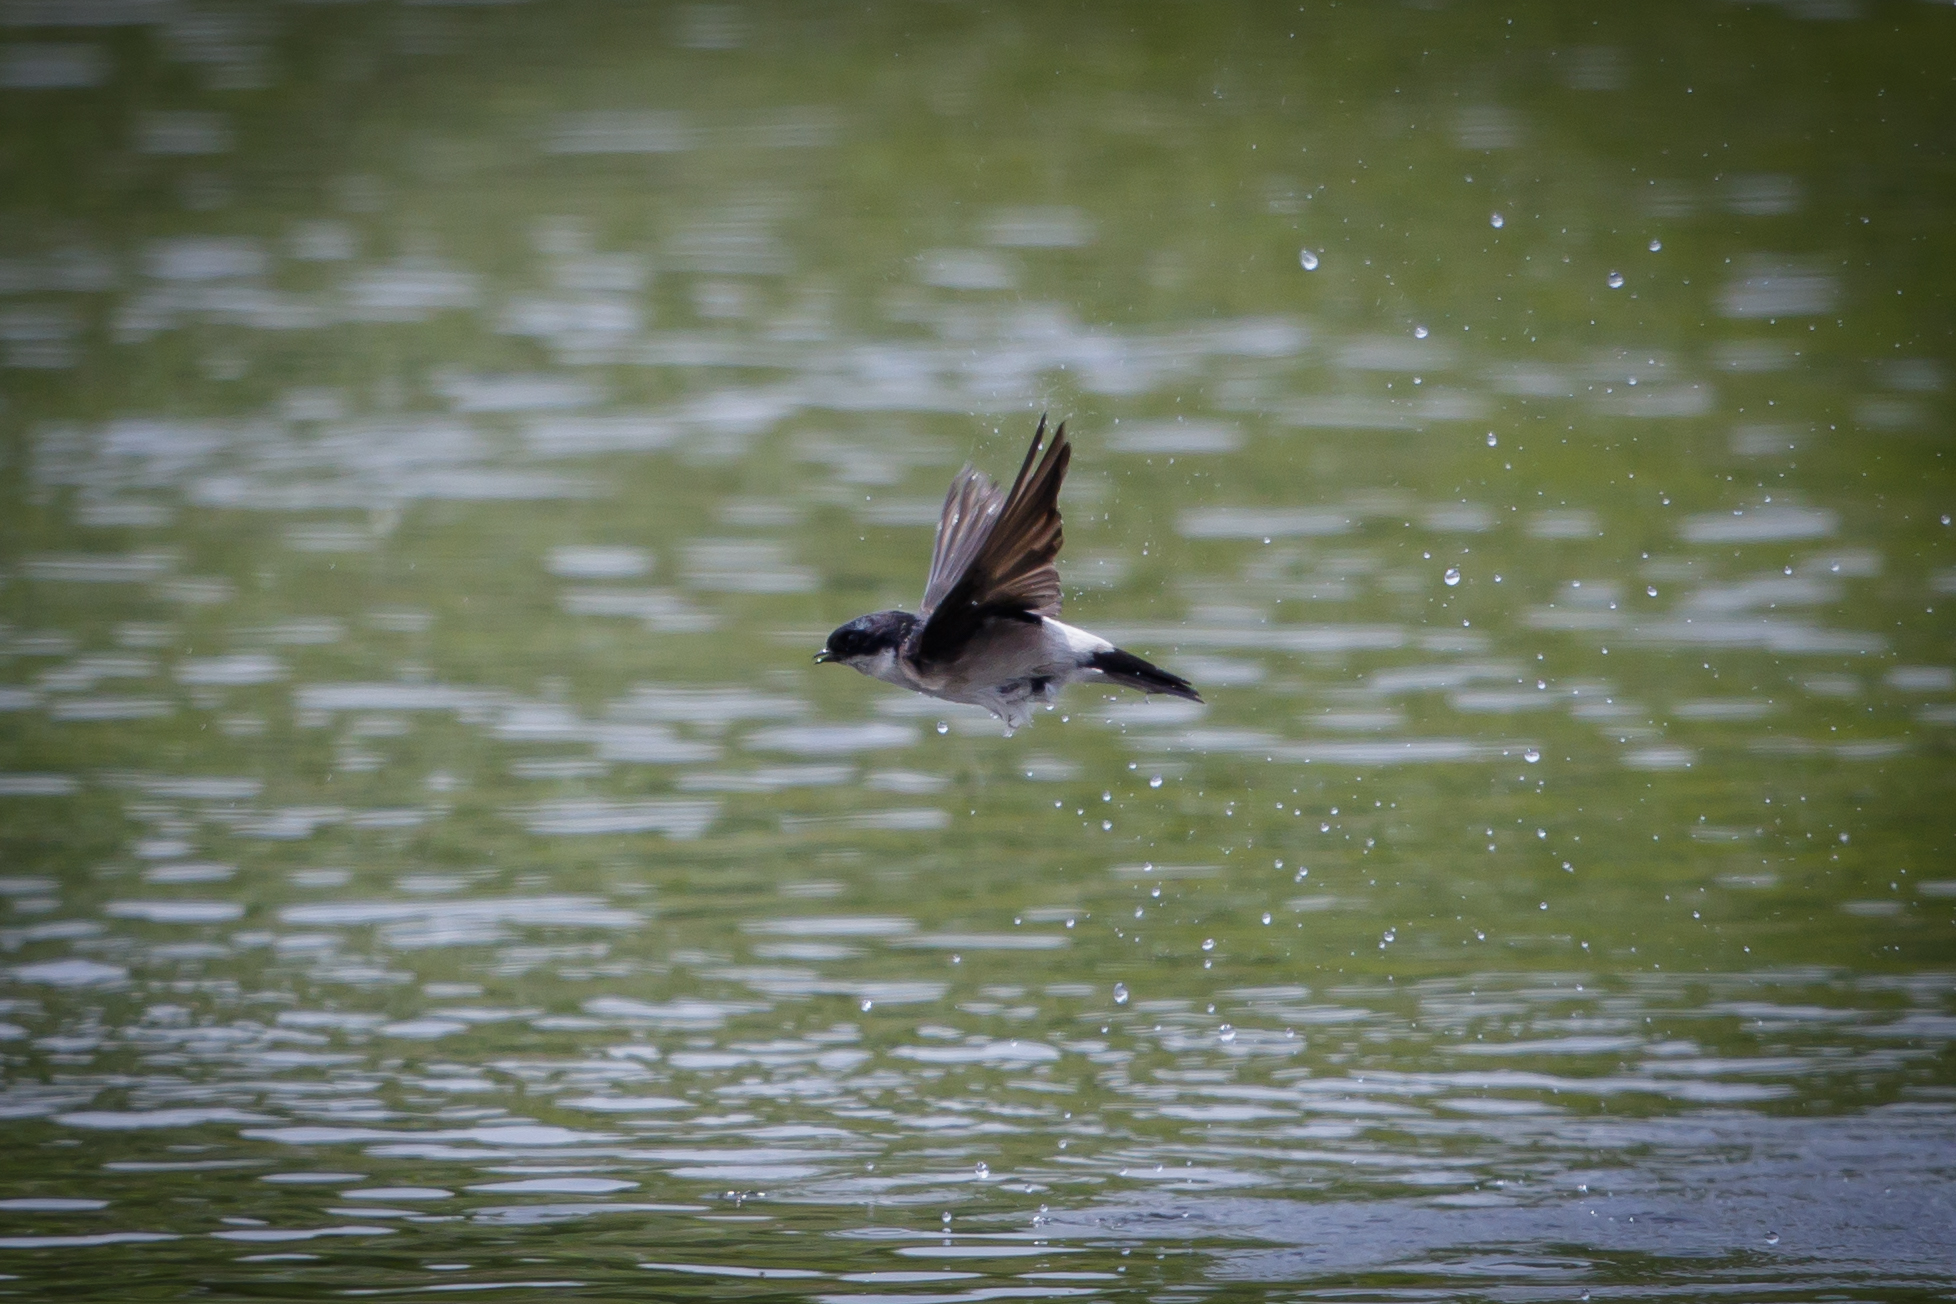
435,437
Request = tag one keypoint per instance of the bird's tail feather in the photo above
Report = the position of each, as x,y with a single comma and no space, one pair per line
1131,671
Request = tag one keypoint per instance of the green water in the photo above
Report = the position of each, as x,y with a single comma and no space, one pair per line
436,438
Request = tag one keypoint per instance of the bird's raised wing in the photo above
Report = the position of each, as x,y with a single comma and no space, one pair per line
971,508
995,552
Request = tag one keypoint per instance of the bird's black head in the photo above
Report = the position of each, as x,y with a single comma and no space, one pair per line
866,637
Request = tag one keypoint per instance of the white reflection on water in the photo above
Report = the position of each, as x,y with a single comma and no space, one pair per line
1760,524
1765,288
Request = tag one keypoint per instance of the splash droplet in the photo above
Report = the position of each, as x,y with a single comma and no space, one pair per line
1452,577
1615,280
1307,260
1656,245
1496,221
1772,1238
1419,332
944,726
1491,440
1266,917
1154,781
1650,590
867,1005
1120,993
1531,756
1208,943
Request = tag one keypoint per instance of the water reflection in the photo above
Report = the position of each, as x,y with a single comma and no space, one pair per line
428,859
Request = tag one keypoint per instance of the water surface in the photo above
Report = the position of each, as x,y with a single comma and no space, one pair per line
435,439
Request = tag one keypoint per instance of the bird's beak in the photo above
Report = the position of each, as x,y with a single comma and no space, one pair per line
822,656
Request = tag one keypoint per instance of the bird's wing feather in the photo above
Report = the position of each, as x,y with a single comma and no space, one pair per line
970,509
1005,568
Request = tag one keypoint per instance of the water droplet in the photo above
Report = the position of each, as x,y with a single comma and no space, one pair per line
1531,756
1300,876
1496,221
1491,440
1107,796
1419,332
1615,280
1391,935
1452,577
1307,260
1544,905
1226,1033
1120,993
1208,943
1772,1238
944,726
1656,245
1106,826
981,1170
1154,781
1266,917
947,1216
867,1005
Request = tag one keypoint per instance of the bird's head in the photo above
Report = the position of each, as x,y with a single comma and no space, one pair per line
868,643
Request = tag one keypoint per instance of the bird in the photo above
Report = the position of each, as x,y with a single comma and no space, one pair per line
988,631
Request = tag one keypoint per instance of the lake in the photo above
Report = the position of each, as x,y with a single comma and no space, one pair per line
435,439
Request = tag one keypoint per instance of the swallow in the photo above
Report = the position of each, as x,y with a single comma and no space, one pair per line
988,632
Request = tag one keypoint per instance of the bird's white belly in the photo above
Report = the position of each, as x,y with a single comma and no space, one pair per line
1017,667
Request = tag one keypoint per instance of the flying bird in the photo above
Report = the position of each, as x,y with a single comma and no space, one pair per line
989,631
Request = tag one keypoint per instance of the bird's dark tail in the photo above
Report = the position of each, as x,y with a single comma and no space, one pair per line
1131,671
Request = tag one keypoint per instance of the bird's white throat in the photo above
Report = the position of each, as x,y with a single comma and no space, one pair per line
883,665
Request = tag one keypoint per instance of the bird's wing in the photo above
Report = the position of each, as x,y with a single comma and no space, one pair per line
971,508
996,558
